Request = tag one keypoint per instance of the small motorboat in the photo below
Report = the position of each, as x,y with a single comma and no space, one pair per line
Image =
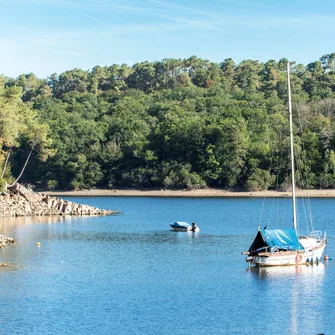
184,226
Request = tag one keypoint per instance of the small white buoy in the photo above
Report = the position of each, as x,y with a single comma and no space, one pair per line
38,244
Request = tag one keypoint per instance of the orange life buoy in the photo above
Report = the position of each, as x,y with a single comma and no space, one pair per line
298,258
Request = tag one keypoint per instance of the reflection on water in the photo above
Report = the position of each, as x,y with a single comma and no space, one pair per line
280,272
182,235
303,287
8,224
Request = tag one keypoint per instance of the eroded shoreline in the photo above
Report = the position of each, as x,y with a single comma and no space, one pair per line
190,193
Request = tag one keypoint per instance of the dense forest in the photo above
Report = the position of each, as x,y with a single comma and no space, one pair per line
173,123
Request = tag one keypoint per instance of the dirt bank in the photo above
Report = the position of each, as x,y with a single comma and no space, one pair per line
191,193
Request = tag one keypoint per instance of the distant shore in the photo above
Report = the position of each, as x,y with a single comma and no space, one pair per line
190,193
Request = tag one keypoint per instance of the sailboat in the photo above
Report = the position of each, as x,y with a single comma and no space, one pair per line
279,247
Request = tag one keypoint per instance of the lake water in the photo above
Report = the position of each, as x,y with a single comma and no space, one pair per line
130,274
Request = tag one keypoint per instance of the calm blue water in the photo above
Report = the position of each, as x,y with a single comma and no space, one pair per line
130,274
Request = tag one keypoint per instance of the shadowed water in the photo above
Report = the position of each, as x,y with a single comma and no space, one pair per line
130,274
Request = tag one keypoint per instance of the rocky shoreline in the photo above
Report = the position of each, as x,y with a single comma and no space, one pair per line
5,240
18,201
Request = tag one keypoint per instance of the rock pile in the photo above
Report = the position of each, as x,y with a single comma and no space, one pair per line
18,201
5,240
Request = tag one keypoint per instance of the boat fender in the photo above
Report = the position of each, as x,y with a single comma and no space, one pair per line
312,261
317,260
298,258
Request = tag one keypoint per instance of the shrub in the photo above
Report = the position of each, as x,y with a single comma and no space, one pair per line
52,184
180,176
259,180
3,185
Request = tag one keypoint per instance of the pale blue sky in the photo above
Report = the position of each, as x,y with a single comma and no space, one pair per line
52,36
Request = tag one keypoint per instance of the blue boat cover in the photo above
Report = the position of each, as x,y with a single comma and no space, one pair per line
282,238
180,224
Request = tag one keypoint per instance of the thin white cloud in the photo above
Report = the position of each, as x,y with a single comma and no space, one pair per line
189,9
60,50
95,5
107,24
209,25
249,5
36,44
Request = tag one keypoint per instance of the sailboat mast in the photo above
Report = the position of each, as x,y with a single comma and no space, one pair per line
292,151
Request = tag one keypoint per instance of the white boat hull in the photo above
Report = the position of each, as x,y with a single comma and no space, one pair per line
283,258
